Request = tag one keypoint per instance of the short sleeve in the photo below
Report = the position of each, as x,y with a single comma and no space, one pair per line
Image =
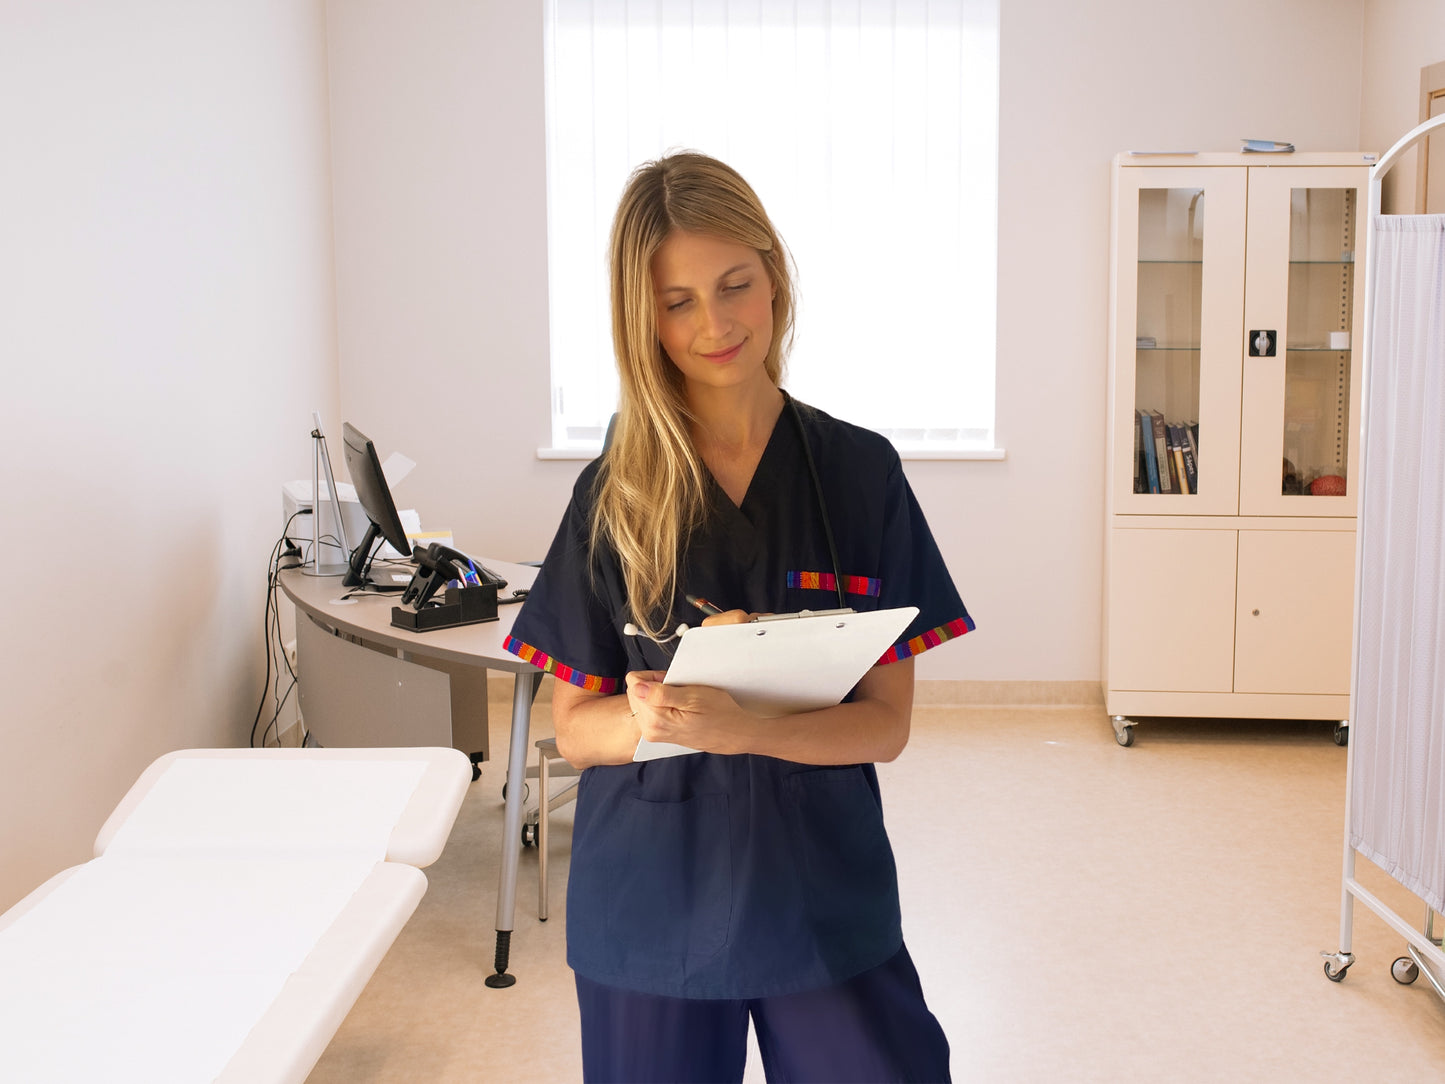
565,626
913,573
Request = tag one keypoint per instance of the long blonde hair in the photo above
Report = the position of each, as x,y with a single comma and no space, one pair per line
651,486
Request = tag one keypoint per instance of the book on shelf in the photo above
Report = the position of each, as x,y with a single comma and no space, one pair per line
1176,450
1167,483
1141,468
1191,456
1145,429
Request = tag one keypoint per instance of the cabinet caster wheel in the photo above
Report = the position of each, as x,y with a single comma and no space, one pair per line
1333,974
1342,733
1404,971
529,835
476,759
1123,730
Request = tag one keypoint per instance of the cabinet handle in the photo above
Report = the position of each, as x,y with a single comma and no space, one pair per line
1262,343
1254,612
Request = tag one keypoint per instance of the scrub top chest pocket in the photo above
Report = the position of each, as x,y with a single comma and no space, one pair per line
812,590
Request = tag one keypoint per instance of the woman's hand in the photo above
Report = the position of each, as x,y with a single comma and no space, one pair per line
729,617
697,716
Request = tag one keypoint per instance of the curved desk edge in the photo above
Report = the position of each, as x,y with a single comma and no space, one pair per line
368,618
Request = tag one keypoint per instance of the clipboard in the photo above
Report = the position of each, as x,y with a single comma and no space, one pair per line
783,664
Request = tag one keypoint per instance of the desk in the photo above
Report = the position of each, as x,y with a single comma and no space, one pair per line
368,622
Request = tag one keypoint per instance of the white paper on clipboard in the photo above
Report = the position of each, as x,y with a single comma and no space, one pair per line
781,667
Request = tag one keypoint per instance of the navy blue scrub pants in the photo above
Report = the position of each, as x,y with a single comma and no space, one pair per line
874,1027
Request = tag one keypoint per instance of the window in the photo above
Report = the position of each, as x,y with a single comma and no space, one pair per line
870,131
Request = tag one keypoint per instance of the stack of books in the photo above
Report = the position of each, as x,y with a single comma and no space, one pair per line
1166,454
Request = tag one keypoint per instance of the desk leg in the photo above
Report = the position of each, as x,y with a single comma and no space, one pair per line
523,692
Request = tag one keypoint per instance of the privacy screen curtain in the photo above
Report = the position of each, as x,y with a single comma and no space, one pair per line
1397,809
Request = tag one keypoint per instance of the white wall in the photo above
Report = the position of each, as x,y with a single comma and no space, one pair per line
1401,37
441,237
1080,83
441,259
166,325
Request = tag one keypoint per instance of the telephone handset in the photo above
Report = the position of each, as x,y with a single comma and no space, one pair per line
437,565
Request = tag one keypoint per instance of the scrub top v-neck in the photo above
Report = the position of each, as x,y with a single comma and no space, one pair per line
740,876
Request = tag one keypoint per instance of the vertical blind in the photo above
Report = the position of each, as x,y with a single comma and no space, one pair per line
870,131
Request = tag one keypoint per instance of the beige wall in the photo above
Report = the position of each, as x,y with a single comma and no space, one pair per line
1401,37
166,326
441,232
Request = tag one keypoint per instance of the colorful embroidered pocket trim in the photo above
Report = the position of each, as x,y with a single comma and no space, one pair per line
931,638
547,664
826,581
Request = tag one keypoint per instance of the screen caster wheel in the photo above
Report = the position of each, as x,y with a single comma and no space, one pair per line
526,791
1404,971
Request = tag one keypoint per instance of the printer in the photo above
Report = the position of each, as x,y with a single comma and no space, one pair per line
296,497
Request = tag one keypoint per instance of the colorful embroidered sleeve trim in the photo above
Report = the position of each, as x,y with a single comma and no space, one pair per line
931,638
545,662
826,581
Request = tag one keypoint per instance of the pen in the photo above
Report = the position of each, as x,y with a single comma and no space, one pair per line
703,604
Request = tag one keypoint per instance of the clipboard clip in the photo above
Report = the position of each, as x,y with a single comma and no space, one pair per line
804,613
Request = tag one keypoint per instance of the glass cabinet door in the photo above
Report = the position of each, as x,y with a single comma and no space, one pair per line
1180,260
1303,322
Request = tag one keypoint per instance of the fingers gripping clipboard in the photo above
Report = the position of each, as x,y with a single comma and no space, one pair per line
782,665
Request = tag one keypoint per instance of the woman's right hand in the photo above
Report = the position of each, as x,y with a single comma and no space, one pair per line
635,678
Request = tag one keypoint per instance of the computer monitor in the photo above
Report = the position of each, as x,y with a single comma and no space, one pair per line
375,497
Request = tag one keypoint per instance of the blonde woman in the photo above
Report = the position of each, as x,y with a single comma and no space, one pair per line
753,878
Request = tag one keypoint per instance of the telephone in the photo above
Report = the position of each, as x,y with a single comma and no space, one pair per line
439,564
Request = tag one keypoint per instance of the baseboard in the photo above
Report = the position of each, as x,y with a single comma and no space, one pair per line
1050,694
1053,694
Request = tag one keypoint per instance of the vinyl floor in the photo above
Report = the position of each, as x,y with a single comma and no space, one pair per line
1077,911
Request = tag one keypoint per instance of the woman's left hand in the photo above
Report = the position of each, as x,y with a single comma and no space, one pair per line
697,716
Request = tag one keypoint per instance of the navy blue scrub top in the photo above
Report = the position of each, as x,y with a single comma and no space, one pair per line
713,876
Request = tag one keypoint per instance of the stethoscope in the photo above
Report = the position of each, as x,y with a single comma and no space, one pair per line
630,629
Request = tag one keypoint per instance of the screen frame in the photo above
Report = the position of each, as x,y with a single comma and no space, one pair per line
364,467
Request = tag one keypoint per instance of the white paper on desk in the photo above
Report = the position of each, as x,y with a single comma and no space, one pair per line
782,667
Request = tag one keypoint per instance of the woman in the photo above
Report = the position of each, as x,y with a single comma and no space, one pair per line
753,878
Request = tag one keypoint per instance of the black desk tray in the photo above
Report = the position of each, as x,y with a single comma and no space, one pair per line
459,606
